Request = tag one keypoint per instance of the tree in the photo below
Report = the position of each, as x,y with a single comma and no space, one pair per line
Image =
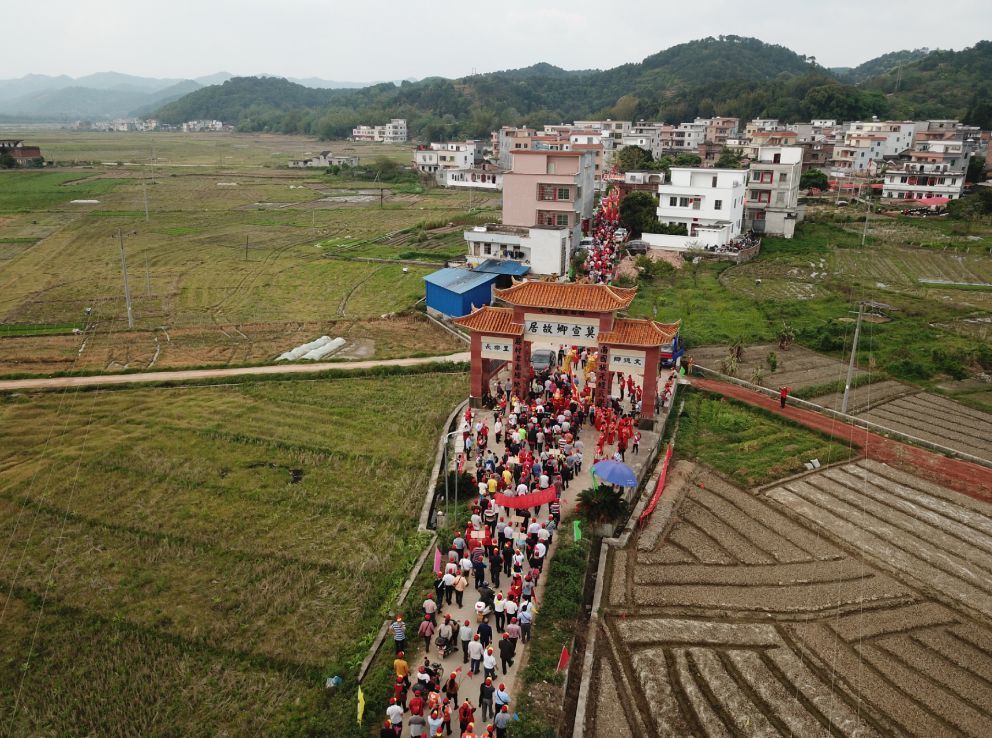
639,213
813,178
976,169
687,160
630,158
729,159
602,504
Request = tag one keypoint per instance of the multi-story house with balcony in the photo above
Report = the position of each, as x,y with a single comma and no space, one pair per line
394,131
935,167
547,200
430,158
867,143
718,129
509,139
708,202
772,203
689,136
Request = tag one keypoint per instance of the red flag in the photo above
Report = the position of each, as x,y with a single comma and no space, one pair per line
563,659
437,561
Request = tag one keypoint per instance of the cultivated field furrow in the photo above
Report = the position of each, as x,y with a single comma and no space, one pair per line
936,666
609,711
692,538
931,420
772,574
701,704
956,541
948,425
696,632
888,545
651,671
822,695
799,598
928,689
843,664
746,715
762,540
973,513
962,653
959,537
780,698
919,615
732,541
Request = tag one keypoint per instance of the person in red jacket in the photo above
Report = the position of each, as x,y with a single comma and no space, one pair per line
466,714
783,395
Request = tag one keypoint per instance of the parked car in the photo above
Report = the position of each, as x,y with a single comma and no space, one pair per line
543,360
637,246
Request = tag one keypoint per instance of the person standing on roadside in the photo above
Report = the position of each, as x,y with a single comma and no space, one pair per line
399,633
426,631
783,395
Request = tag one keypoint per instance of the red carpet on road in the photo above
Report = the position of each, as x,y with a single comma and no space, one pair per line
963,476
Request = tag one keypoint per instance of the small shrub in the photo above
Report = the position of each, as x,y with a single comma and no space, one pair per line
772,361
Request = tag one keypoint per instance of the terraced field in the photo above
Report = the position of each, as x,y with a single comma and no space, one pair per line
935,418
855,601
797,368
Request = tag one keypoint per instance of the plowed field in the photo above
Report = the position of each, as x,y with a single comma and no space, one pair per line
855,601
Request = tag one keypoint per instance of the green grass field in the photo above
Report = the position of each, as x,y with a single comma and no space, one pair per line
814,281
748,445
195,561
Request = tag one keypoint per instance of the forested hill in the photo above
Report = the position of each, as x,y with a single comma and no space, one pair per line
729,75
879,65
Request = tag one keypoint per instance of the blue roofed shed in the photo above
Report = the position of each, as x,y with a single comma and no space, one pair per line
453,292
506,271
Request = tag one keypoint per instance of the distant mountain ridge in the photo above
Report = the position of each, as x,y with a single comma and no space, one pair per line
111,94
727,75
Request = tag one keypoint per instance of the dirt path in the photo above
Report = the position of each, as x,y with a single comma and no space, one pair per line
963,476
193,374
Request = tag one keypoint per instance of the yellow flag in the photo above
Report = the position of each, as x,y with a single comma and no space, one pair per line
361,705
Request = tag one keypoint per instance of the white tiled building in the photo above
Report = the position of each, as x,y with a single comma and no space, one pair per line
393,132
709,202
935,167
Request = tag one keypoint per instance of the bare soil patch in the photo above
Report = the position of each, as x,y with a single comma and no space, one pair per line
797,367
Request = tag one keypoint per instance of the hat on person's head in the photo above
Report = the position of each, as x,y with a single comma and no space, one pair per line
467,622
476,637
506,636
489,680
513,620
489,650
502,685
398,617
392,700
401,654
505,708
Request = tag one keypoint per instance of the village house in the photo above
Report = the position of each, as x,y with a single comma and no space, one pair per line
392,132
772,203
24,157
934,168
708,202
323,160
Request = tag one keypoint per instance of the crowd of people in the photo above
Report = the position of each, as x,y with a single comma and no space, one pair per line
601,259
535,448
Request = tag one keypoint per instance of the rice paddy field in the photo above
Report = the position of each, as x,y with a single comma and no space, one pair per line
232,238
196,561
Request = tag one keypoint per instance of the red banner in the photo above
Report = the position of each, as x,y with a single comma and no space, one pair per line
659,488
563,659
533,499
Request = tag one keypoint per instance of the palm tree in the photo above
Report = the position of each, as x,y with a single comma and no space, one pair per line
602,504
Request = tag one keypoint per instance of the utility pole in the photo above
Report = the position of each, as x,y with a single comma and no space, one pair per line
854,353
127,291
148,279
864,233
144,187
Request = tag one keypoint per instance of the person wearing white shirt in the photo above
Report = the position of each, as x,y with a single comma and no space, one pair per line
544,481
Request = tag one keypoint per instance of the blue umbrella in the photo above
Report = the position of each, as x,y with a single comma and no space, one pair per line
615,473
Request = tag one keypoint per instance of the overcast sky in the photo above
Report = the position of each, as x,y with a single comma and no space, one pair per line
367,41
